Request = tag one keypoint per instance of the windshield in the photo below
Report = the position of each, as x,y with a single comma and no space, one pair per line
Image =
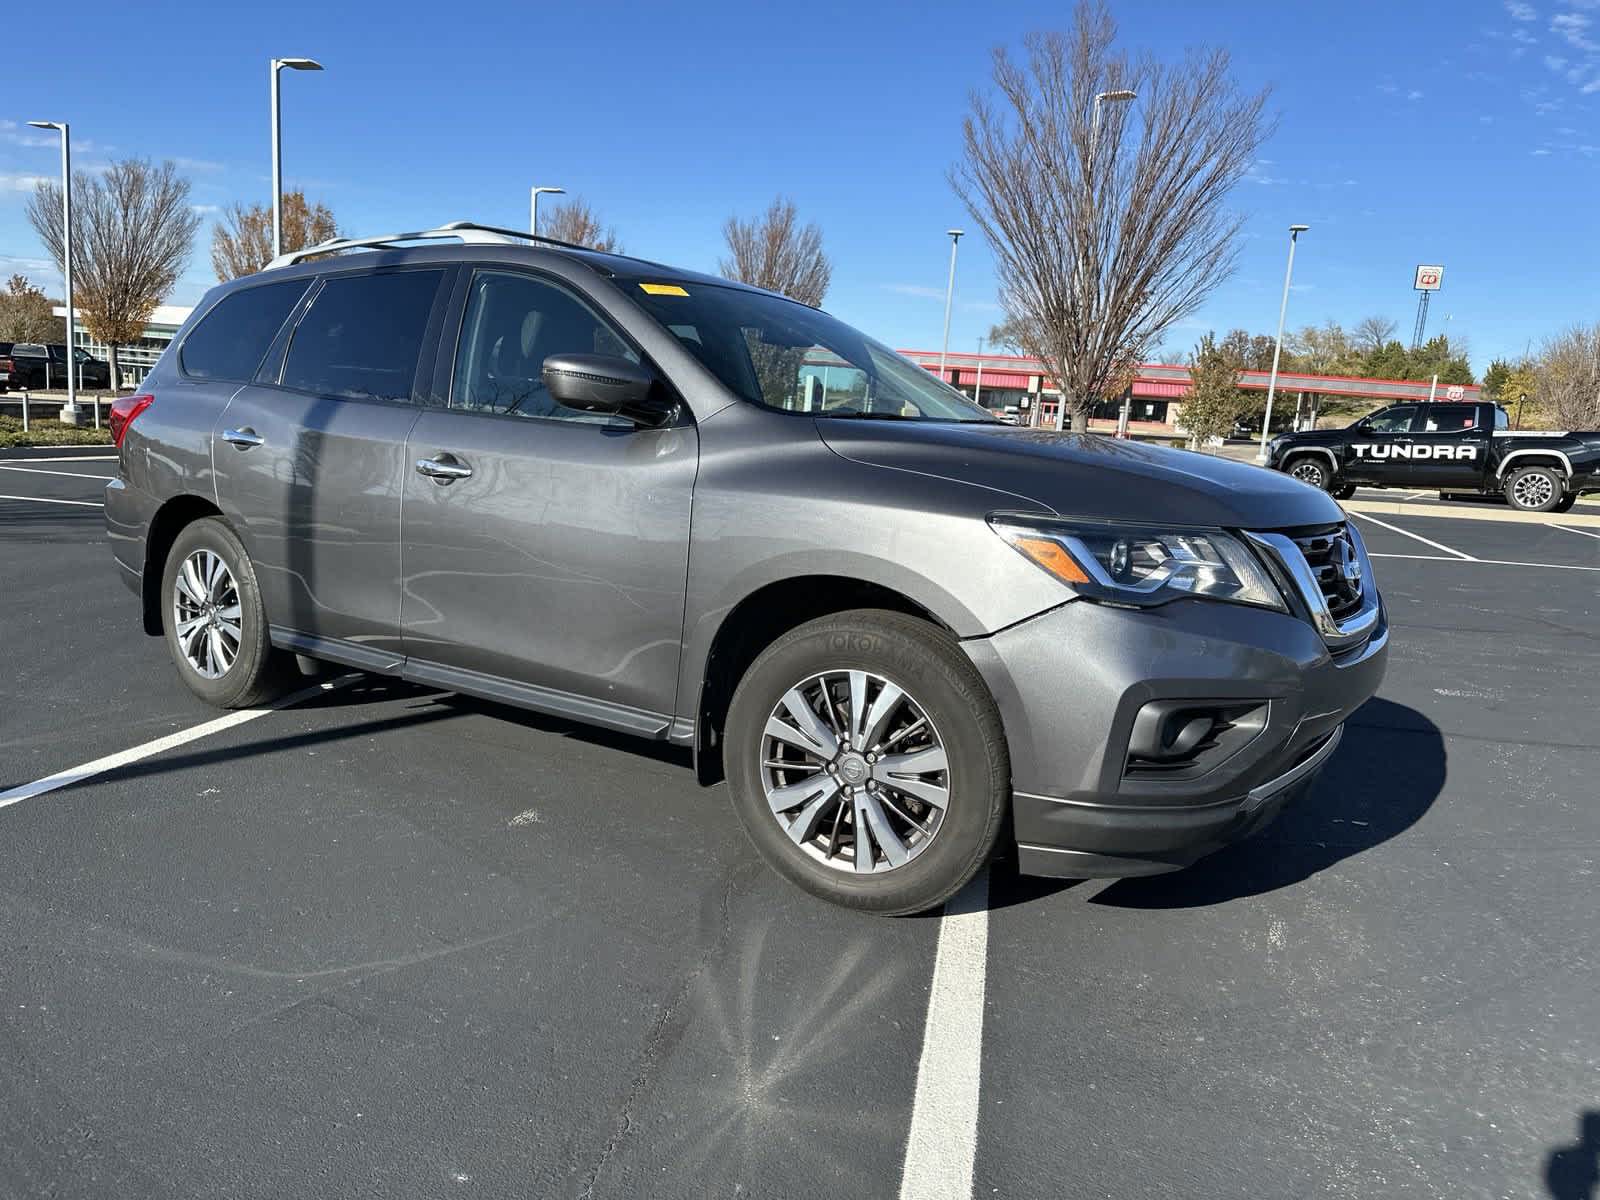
783,355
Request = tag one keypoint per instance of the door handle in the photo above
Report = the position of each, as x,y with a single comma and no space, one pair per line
444,468
242,438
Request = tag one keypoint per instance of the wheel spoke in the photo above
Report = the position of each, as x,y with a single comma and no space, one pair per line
806,791
929,793
189,583
230,632
917,762
887,700
185,628
805,823
864,856
811,735
882,832
858,706
232,612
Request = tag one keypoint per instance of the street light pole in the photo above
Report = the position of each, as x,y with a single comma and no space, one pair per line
949,292
977,395
1277,350
294,64
1089,274
70,413
533,205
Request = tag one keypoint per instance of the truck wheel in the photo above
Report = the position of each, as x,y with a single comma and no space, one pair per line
867,762
1344,491
1565,503
1534,489
1310,469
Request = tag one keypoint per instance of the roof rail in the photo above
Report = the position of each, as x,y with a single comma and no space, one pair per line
466,232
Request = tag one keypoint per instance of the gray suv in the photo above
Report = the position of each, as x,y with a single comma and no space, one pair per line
695,511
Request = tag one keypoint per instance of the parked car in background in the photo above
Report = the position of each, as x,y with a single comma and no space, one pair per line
607,489
42,365
11,376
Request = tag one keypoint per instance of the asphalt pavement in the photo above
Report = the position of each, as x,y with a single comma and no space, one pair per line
393,942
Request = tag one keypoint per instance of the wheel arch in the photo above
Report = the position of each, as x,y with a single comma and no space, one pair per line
1554,459
171,519
758,620
1295,452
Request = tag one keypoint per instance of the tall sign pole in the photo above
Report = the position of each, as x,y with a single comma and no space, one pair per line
1428,281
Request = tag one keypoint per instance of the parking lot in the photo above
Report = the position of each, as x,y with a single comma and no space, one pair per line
392,942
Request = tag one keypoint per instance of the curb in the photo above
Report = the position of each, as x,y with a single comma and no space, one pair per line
1473,512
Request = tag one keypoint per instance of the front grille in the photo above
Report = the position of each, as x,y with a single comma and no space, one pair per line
1327,551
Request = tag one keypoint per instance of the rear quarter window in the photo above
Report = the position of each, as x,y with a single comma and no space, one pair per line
362,335
231,340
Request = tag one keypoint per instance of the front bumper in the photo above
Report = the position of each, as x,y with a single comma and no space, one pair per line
1070,683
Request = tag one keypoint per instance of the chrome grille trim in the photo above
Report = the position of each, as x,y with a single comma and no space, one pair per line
1306,568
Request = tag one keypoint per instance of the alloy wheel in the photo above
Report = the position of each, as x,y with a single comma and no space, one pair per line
206,614
1533,490
1308,472
854,771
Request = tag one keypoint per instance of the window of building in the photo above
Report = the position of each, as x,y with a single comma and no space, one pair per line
513,323
232,338
362,335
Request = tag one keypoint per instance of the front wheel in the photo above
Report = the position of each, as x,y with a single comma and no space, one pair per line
1311,469
867,761
1534,489
1344,491
214,622
1565,503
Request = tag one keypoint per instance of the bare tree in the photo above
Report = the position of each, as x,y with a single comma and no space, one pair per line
775,252
1101,247
132,231
241,243
1568,388
25,314
576,222
1373,334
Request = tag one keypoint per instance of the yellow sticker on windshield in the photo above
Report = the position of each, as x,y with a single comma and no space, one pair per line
663,289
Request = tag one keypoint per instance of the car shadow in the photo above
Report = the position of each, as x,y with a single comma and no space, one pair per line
1386,775
1572,1172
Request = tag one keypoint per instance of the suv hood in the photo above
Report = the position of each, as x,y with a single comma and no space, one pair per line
1085,475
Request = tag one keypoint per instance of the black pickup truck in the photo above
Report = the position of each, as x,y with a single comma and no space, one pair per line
1451,447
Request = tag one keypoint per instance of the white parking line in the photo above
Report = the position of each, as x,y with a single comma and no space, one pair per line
123,758
48,500
943,1141
1414,536
68,474
1482,562
1579,532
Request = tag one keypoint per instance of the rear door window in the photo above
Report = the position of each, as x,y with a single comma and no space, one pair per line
1448,418
362,336
233,337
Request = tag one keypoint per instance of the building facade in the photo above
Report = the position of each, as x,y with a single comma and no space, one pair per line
134,359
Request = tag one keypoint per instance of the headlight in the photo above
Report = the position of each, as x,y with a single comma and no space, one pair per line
1142,565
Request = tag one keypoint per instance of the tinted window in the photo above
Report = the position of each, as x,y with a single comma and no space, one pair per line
1501,421
512,324
1394,420
361,336
232,338
1449,418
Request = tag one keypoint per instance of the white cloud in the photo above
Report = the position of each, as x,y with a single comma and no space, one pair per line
1540,153
198,164
1413,94
915,289
1555,62
21,183
1520,11
1573,28
1522,35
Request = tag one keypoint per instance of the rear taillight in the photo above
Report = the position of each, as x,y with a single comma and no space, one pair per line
123,411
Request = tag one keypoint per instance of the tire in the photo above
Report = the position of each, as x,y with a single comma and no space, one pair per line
1309,468
1565,503
254,673
1534,489
1344,491
943,709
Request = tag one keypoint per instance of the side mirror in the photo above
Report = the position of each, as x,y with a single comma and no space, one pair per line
607,383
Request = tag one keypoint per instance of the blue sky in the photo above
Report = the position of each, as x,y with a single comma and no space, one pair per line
1462,133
